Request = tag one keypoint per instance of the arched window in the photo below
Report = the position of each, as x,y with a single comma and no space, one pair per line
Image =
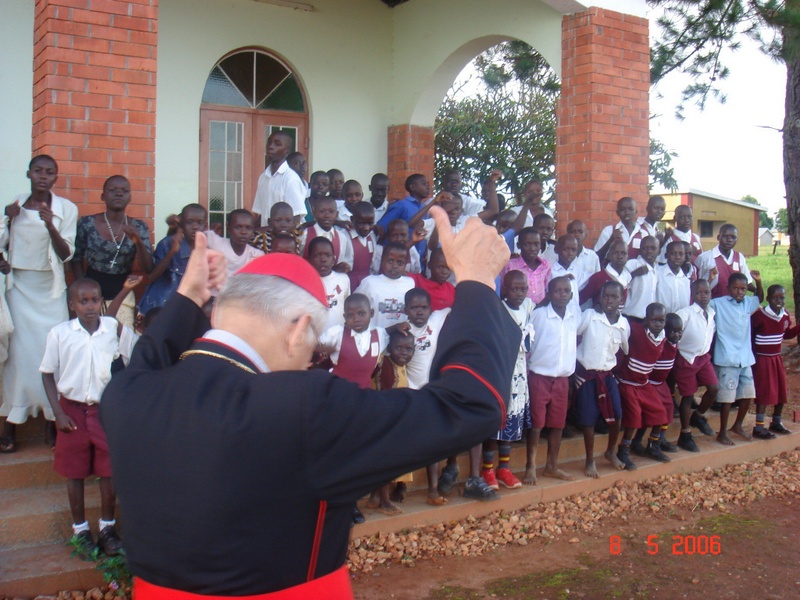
248,95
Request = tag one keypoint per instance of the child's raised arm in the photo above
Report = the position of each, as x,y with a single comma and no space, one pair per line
440,198
492,204
162,265
130,283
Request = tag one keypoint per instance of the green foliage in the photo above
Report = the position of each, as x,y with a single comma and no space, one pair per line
764,220
114,568
782,220
774,268
662,173
509,123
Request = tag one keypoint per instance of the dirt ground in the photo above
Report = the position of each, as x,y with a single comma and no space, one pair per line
748,551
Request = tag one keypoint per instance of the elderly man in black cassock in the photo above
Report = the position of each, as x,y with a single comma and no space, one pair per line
238,470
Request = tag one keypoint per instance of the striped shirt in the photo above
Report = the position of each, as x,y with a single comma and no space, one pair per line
644,350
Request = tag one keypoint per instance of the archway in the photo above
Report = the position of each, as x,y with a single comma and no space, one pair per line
249,94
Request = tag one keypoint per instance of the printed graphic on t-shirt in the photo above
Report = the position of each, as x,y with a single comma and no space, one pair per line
332,301
392,308
423,341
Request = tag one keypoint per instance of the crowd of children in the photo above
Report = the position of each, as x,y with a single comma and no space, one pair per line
608,334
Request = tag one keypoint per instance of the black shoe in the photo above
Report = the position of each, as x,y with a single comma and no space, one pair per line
358,517
667,446
108,541
686,442
624,456
477,489
637,448
653,451
84,544
762,433
778,427
447,479
699,421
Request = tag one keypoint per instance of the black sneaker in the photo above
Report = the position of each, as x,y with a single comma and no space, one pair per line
653,451
624,456
779,427
686,442
108,541
666,445
447,479
762,433
699,421
637,448
84,544
358,516
477,489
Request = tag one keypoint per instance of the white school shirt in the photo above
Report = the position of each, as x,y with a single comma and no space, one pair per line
642,289
685,236
577,282
697,332
344,213
337,289
472,204
414,265
283,186
549,252
528,218
234,261
345,242
331,341
605,234
600,340
81,361
673,290
379,210
553,352
588,261
425,342
647,228
387,297
708,260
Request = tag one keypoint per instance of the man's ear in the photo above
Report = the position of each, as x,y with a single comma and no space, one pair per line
297,336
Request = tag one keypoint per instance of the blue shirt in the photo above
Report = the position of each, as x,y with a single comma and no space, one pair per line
732,347
509,236
404,209
163,287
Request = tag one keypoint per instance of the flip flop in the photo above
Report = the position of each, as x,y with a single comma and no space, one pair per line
7,445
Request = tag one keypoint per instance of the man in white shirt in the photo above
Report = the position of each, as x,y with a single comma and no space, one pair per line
278,182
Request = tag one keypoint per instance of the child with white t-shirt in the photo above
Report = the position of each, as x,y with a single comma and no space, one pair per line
236,247
386,292
337,285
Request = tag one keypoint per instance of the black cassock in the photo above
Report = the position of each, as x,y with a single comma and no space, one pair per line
223,474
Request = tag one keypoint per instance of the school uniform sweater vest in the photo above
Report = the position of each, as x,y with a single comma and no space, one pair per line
697,247
363,251
634,245
635,367
592,289
664,363
769,332
314,233
354,367
724,272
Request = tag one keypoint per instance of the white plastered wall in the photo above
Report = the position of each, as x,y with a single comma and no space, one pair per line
16,96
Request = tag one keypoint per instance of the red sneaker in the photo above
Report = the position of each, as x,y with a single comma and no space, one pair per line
490,479
506,477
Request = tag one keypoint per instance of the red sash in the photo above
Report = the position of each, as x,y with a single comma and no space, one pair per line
334,586
312,233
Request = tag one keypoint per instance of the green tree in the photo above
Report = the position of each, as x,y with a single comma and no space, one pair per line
782,220
694,34
764,220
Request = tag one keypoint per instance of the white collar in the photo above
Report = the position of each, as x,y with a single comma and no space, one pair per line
771,313
101,328
238,344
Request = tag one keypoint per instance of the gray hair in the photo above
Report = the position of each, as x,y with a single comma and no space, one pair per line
272,298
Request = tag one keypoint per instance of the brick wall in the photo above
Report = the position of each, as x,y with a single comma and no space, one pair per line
410,151
603,142
94,97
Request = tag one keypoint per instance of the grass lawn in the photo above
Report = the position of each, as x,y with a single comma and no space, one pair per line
774,269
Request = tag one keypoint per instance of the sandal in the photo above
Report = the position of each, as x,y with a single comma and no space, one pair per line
7,445
761,433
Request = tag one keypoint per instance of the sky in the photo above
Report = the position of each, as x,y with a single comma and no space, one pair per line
730,149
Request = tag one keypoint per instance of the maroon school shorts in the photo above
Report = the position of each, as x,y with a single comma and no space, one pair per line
82,452
662,391
689,377
549,396
641,407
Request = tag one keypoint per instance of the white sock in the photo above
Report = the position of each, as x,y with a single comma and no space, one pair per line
78,527
103,524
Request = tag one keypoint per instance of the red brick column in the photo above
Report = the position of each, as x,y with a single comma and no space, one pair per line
410,151
94,96
603,141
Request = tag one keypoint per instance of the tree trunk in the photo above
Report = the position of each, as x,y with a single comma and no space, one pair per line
791,149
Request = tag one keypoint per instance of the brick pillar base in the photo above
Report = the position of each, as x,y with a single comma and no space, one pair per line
603,141
94,97
410,151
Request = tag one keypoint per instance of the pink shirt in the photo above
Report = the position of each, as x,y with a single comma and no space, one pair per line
537,280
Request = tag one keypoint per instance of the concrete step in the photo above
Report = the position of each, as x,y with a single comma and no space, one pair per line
416,513
30,466
44,570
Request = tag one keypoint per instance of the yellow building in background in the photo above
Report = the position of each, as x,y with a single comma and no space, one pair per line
711,211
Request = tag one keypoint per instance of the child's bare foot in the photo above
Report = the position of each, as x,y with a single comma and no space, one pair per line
398,493
436,500
530,476
591,469
557,474
738,430
374,500
387,508
615,462
723,439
